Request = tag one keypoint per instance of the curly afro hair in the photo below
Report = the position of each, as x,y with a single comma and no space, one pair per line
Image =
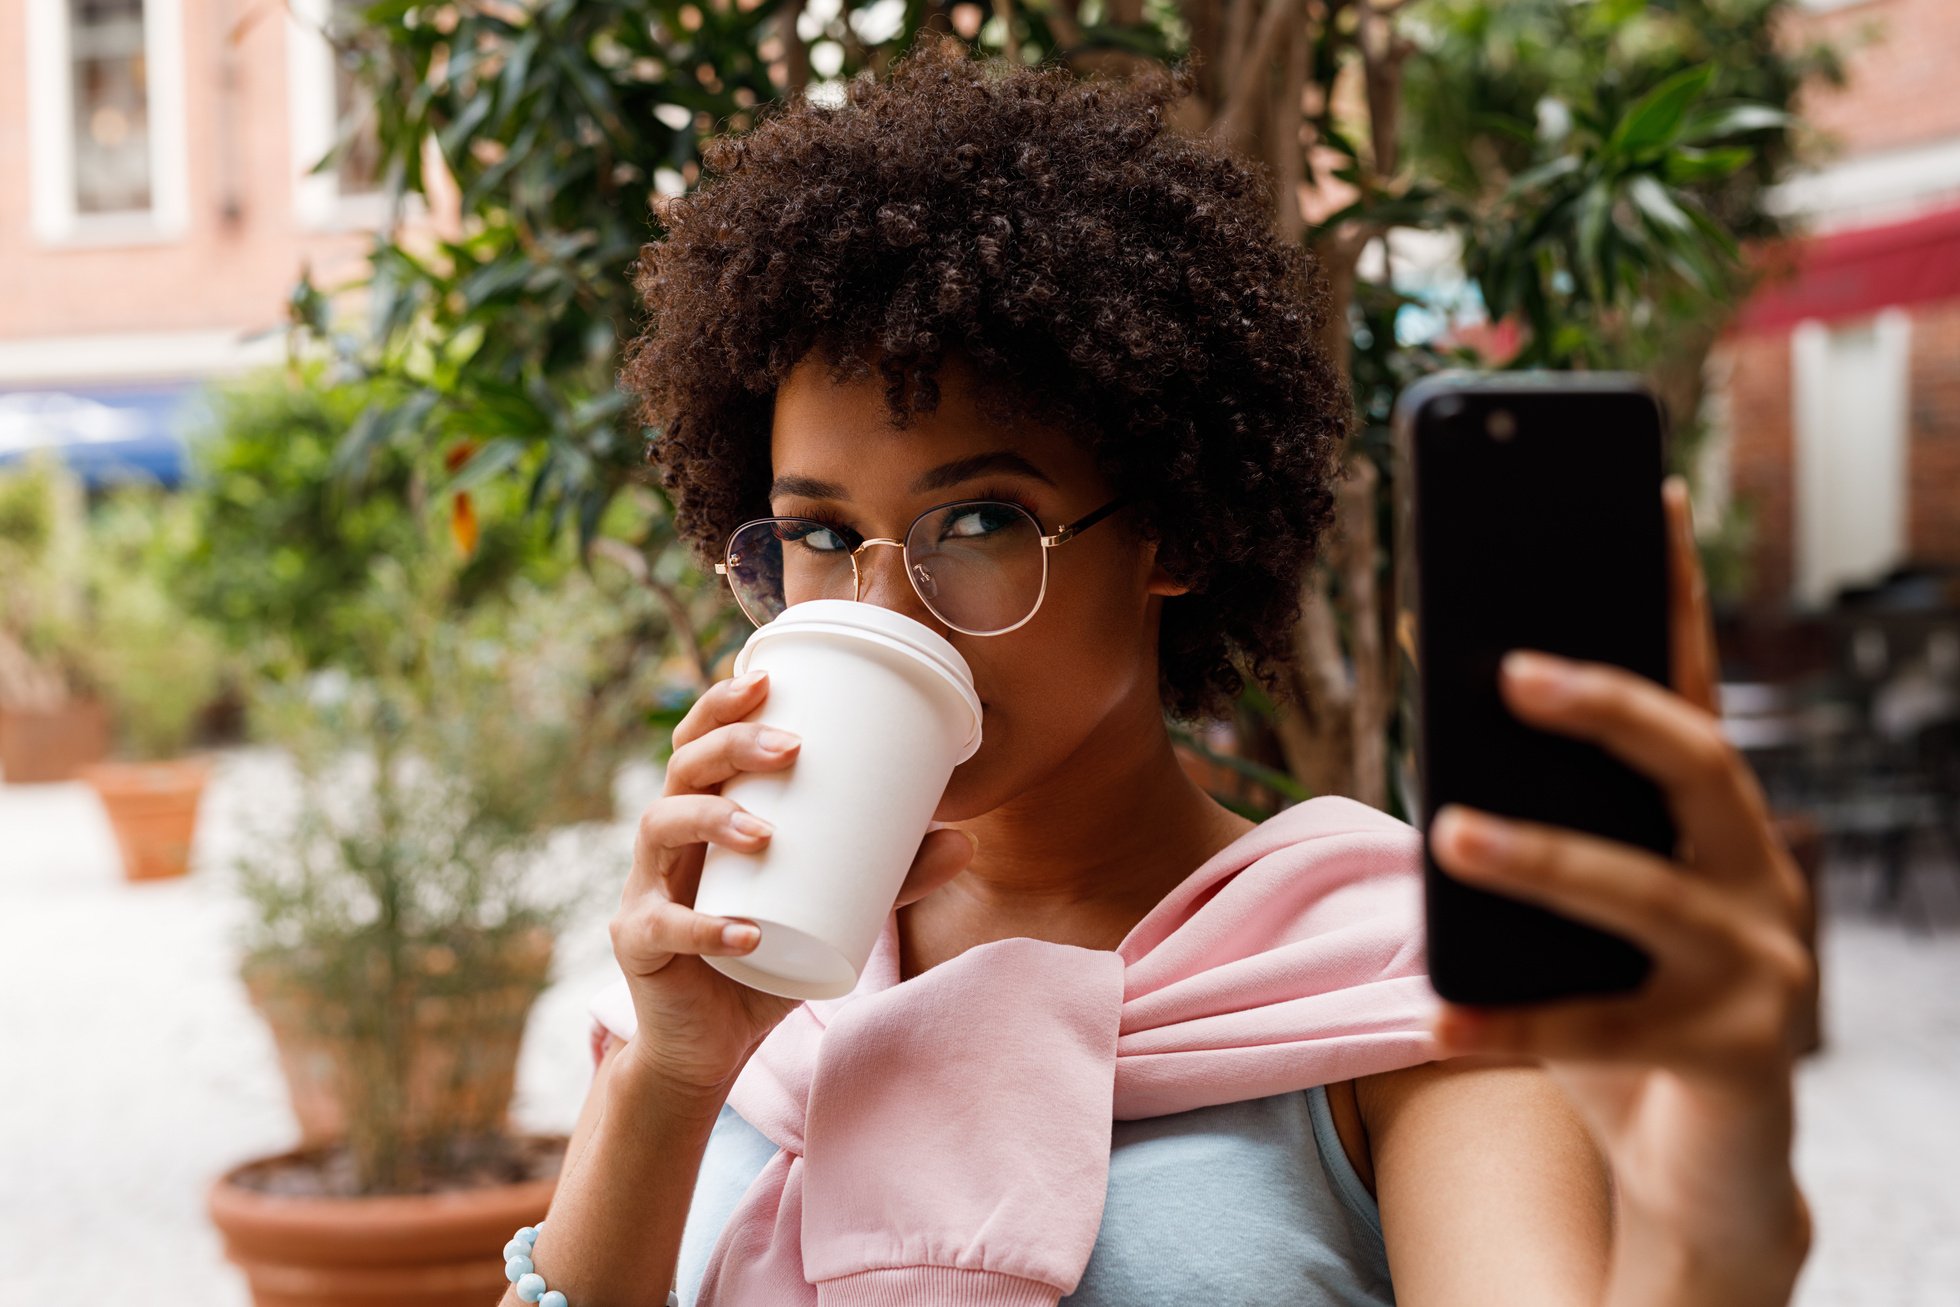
1103,272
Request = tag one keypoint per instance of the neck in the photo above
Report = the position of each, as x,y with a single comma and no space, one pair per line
1083,855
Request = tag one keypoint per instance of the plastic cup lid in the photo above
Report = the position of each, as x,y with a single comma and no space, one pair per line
858,620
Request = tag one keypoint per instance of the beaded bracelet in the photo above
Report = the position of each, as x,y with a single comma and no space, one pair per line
530,1285
518,1269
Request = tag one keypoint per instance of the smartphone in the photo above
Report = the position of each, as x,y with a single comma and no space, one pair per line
1532,519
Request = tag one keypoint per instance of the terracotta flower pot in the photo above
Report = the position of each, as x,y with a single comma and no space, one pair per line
463,1066
39,747
396,1250
152,808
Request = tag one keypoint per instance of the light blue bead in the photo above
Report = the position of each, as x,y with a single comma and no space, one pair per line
531,1287
516,1267
529,1234
553,1299
516,1248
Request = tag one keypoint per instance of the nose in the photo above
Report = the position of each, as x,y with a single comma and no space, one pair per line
882,581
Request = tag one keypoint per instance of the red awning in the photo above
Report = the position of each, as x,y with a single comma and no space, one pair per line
1851,274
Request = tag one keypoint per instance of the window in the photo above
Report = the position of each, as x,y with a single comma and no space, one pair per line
107,77
1850,385
329,105
105,119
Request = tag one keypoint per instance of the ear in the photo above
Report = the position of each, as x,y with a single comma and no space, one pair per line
1161,582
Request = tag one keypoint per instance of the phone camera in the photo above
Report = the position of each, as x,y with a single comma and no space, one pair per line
1500,424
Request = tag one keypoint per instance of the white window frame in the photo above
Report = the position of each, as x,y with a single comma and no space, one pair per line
318,201
53,214
1883,440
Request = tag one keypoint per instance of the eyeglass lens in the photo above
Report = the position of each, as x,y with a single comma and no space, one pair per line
977,565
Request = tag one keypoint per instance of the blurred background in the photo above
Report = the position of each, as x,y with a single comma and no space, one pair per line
341,628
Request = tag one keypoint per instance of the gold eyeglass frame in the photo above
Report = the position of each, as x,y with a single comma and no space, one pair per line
1061,535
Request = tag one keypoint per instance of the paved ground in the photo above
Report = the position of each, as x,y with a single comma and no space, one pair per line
137,1070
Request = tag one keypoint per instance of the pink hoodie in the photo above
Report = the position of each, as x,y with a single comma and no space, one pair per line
946,1139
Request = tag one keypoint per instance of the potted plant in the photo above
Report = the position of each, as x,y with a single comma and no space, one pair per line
159,667
396,943
51,721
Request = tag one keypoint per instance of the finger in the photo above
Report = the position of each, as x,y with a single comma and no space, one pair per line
1740,1024
721,703
943,854
702,764
654,929
1714,796
1614,886
673,823
1696,668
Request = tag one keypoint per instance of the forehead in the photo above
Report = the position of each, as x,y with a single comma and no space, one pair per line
842,432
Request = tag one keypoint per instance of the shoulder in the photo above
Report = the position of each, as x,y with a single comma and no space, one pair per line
1347,838
1335,814
1485,1154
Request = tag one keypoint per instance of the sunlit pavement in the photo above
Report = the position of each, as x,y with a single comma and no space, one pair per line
137,1070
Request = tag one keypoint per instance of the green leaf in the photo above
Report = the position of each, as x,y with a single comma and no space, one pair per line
1653,200
1736,120
1687,166
1656,117
1543,175
1594,208
1277,781
485,463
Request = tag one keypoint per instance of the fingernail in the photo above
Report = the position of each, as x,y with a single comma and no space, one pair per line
749,824
775,741
1540,677
749,680
975,838
736,935
1480,839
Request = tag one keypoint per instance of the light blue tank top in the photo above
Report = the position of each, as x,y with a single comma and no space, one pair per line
1239,1205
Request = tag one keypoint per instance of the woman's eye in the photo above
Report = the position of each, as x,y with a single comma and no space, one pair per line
979,520
817,539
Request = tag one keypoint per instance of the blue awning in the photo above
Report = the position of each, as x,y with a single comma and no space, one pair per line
107,434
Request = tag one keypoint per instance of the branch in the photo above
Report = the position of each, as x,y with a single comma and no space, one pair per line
1248,75
1382,56
1359,551
1009,47
796,55
635,565
1311,734
1284,150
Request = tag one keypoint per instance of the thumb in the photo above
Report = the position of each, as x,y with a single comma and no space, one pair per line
943,854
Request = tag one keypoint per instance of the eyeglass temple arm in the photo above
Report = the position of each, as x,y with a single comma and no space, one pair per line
1081,524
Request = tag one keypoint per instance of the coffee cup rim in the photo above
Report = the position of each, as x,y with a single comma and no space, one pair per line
855,619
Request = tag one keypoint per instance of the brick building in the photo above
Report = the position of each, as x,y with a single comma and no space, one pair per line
157,204
1839,385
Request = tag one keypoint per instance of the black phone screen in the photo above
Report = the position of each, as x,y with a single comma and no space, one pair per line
1538,524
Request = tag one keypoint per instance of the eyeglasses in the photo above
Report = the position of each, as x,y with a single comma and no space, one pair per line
980,565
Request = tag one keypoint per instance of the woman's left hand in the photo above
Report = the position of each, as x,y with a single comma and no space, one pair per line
1686,1083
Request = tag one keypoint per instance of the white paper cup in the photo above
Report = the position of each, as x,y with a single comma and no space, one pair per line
885,709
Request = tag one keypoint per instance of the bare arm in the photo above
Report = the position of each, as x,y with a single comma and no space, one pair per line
1490,1188
614,1232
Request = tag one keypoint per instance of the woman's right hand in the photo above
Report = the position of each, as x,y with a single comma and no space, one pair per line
697,1027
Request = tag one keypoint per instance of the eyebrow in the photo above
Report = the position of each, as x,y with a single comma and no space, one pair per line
941,477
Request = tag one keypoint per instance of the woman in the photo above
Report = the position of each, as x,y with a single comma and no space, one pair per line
980,283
